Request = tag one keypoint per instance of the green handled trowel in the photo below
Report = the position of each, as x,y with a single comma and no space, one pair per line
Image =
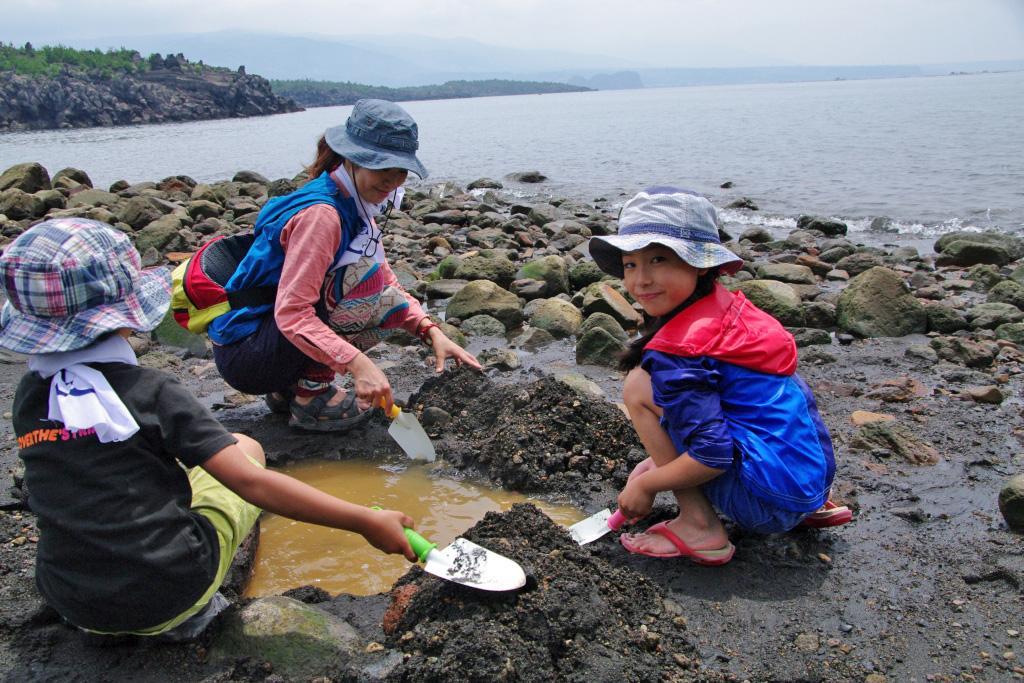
467,563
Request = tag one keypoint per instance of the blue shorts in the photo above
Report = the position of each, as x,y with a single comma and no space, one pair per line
732,498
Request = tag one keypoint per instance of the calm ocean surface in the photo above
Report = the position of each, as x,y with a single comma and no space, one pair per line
934,154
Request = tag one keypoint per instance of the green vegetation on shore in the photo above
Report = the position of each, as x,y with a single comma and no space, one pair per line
310,93
50,59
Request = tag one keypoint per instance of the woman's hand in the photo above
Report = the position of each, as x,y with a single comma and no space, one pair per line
636,501
445,348
371,385
385,531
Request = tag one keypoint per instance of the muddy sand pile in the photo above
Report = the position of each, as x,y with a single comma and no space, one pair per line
535,436
578,618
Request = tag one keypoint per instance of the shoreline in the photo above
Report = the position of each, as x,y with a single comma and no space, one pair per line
916,363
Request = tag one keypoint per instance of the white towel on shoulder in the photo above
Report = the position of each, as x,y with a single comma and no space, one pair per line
80,396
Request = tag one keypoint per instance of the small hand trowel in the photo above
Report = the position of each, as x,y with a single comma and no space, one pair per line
467,563
406,430
597,525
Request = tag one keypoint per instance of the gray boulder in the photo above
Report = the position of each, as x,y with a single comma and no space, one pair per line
1011,332
76,175
483,325
970,248
945,319
527,177
786,272
775,298
1008,292
598,347
19,205
497,269
876,303
552,270
583,273
301,641
1011,502
601,297
826,226
858,262
605,322
989,316
484,183
556,316
486,297
28,177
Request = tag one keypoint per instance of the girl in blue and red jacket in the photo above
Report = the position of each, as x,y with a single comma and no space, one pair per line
711,389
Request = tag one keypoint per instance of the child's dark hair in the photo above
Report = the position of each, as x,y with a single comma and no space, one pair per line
634,352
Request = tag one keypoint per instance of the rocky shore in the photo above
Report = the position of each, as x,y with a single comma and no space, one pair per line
171,89
915,361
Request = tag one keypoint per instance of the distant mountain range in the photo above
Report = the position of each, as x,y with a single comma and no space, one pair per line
407,60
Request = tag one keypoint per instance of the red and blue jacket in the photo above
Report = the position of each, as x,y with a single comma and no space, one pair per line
724,374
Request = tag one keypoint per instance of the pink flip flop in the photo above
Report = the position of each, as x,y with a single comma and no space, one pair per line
830,515
706,557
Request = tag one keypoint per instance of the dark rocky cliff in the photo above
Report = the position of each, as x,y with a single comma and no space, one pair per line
172,89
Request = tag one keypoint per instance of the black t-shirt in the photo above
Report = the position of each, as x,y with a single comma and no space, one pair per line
119,549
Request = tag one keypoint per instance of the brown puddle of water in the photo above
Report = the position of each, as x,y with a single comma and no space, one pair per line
293,554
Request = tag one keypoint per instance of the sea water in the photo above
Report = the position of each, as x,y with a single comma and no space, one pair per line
932,154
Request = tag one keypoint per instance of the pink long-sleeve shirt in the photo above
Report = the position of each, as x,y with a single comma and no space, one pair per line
310,240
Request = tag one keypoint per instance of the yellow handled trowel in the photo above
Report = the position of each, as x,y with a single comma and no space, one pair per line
406,430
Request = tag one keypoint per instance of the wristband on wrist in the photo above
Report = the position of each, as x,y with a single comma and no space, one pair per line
424,330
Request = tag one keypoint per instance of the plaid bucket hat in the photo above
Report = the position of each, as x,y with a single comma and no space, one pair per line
673,217
68,281
378,134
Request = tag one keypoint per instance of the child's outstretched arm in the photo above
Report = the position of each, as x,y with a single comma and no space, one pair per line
289,497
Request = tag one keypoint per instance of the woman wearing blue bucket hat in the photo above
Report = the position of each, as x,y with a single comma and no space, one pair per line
336,296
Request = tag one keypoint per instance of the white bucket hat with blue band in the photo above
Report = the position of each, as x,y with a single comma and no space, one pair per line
377,135
673,217
69,281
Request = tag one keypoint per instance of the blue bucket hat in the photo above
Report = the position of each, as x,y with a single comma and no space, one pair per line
673,217
69,281
378,134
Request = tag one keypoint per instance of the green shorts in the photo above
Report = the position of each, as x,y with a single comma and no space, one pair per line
231,516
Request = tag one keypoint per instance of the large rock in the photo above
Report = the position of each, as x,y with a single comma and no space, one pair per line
527,177
162,235
605,322
497,269
989,316
1009,292
486,297
1011,502
876,303
775,298
89,198
945,319
973,354
140,211
583,273
28,177
543,214
598,347
826,226
1011,332
857,262
787,272
971,248
300,641
19,205
557,316
896,439
552,270
601,297
75,175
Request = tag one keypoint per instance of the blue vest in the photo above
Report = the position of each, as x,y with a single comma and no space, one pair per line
262,265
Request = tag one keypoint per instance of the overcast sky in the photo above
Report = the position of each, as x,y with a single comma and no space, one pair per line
644,32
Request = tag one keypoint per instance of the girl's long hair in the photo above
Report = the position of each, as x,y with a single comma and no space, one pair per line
631,357
326,159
